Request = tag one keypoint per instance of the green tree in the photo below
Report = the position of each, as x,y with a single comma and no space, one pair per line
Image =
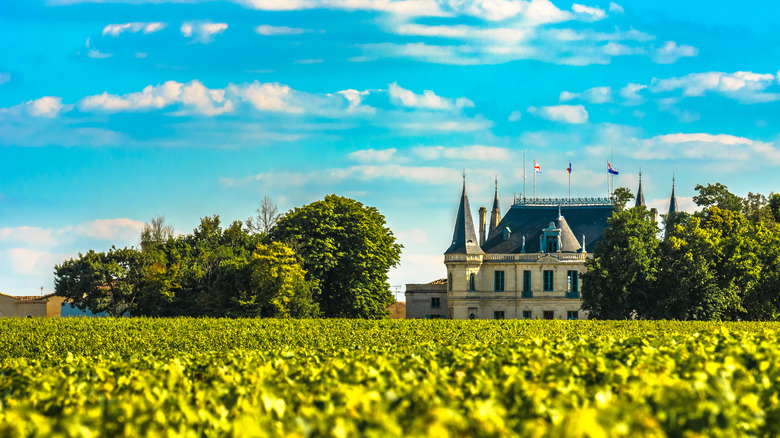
774,206
686,287
347,250
717,195
620,277
621,196
102,282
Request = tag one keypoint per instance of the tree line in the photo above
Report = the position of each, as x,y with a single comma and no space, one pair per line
329,258
720,263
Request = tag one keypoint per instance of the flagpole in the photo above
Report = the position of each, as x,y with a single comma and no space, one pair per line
524,175
612,175
570,181
608,179
534,179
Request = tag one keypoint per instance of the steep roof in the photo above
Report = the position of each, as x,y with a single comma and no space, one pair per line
529,220
495,214
640,196
673,201
464,239
569,243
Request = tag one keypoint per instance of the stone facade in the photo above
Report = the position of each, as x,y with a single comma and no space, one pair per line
529,265
30,306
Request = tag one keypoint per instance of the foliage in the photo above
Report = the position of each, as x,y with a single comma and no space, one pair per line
202,377
620,197
619,279
717,195
347,249
102,282
211,272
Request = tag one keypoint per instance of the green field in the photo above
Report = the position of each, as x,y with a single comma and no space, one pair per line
206,377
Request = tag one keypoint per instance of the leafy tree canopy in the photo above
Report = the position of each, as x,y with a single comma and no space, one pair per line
346,248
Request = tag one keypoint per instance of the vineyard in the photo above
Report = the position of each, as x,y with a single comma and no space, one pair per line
211,377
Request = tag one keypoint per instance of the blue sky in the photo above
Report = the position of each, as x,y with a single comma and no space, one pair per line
112,112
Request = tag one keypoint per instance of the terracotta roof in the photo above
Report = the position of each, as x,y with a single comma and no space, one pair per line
397,310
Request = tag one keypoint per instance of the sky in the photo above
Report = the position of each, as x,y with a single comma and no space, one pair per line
116,111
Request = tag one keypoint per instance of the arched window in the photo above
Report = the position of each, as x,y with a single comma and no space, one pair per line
472,282
449,282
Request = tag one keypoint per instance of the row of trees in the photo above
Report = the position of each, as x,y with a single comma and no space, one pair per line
329,258
722,262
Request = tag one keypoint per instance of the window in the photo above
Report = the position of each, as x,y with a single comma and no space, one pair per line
498,314
498,281
527,285
472,282
472,316
434,316
572,284
552,244
435,302
548,280
572,315
548,314
527,314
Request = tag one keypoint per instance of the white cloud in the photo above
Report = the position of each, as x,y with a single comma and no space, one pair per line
670,52
46,107
193,96
268,97
372,155
97,54
309,61
704,146
27,261
279,30
630,94
202,31
428,100
589,13
575,114
743,86
616,8
515,116
121,229
471,153
354,97
415,236
593,95
134,27
4,77
28,235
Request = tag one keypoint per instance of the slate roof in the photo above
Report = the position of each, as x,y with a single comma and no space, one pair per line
464,239
529,220
673,200
640,196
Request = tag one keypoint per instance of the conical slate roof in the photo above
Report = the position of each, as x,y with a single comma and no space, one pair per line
568,240
495,214
673,201
640,197
464,239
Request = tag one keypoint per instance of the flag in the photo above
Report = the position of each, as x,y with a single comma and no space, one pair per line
537,167
610,169
569,168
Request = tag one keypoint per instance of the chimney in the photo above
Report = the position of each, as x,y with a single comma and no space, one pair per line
482,217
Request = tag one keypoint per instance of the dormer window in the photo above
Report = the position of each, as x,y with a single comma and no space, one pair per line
507,233
551,238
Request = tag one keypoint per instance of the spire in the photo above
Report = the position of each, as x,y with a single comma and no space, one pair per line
568,243
464,239
673,200
495,214
640,197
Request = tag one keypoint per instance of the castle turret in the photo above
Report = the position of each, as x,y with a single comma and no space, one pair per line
482,219
673,200
464,239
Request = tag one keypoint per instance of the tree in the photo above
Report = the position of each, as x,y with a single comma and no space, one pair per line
686,287
346,248
619,279
774,206
102,282
717,195
155,232
266,216
621,196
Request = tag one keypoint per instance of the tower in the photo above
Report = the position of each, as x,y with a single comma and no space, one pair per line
464,239
670,216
